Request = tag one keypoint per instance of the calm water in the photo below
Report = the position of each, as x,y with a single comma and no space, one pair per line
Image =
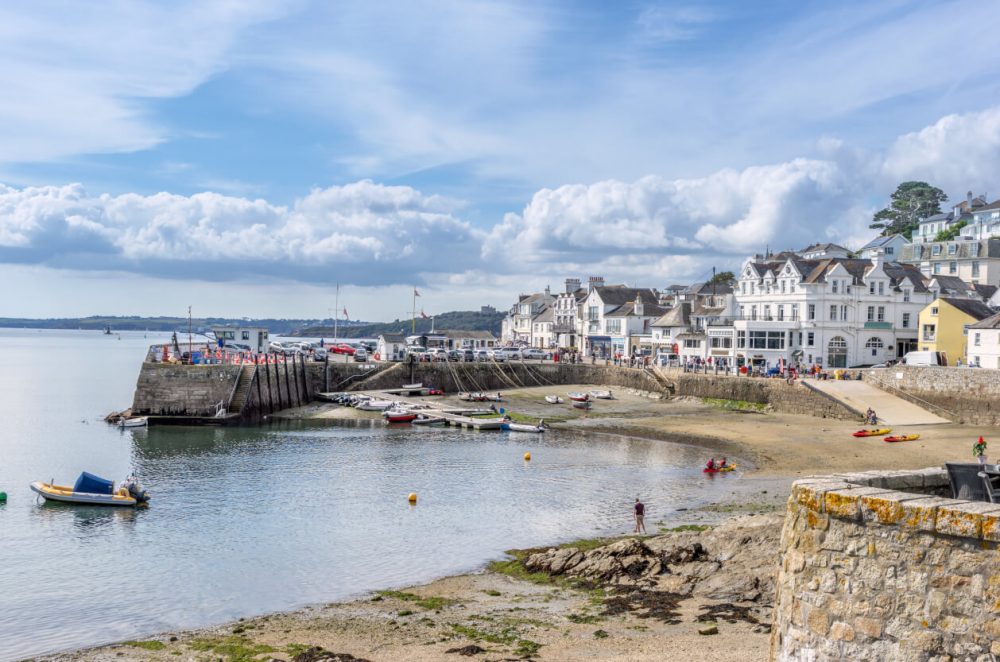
253,520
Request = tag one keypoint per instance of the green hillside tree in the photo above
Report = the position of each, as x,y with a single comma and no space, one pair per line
909,203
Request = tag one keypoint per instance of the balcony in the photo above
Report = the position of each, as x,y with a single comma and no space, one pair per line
878,325
563,328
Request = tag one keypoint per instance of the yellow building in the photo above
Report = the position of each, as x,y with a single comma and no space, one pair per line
944,325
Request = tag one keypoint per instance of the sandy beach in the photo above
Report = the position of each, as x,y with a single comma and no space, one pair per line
643,600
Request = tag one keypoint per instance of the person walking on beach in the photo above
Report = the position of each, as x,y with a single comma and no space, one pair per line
640,513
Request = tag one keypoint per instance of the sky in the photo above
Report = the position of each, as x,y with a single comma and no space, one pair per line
245,157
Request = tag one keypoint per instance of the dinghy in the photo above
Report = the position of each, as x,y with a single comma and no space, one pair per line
429,420
602,395
578,397
137,422
521,427
584,404
553,400
375,405
399,416
93,490
722,470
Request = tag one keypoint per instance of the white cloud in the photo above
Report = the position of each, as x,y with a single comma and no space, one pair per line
365,232
658,23
956,153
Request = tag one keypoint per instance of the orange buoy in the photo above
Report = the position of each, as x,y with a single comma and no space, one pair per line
527,457
412,498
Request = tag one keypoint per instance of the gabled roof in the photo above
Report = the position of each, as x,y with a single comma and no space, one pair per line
627,309
898,272
547,314
823,247
393,337
945,216
985,291
617,295
987,248
679,315
970,307
706,289
991,322
990,207
878,242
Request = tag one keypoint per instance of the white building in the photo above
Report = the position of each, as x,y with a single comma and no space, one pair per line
254,337
823,251
983,343
567,317
972,261
832,312
698,330
888,247
616,316
985,223
390,347
930,227
541,329
516,327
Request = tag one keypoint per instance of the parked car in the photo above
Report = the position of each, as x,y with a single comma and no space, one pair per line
361,354
514,354
926,358
481,355
239,347
438,354
466,355
276,347
535,353
319,354
499,355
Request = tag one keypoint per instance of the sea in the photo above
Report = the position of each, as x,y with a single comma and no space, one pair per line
251,520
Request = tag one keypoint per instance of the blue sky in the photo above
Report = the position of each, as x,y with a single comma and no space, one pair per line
250,155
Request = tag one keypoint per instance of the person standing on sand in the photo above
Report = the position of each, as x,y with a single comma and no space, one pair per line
640,513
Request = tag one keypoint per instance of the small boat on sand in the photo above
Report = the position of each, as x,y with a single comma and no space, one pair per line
479,397
576,396
136,422
875,432
399,416
375,405
412,387
583,404
93,490
553,400
602,395
521,427
901,437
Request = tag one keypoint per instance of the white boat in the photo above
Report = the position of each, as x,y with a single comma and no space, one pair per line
375,405
602,395
553,400
92,490
576,396
522,427
429,420
412,387
137,422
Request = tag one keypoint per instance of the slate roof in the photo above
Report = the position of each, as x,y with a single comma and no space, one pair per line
546,315
648,310
679,315
617,295
990,207
991,322
881,241
952,284
706,289
917,252
985,291
970,307
823,247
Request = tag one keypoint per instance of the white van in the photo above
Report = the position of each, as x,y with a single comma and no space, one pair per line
926,358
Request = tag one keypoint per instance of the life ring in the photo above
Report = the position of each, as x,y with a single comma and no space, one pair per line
377,357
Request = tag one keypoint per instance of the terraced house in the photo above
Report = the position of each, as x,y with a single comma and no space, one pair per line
835,312
972,261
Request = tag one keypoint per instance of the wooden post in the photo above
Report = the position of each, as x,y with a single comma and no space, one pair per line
260,398
288,389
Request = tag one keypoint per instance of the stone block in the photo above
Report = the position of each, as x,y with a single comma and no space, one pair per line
809,493
846,504
818,621
964,519
885,508
870,627
927,641
921,514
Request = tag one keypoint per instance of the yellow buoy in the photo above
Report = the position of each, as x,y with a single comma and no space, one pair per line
412,498
527,456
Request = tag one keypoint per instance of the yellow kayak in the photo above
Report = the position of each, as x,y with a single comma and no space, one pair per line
902,437
876,432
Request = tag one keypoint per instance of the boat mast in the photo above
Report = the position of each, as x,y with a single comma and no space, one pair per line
336,314
189,333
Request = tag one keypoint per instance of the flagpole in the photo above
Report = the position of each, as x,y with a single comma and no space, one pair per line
413,323
336,312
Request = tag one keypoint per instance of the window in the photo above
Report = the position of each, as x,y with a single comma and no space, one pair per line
975,339
889,250
929,332
952,249
721,342
834,283
742,315
871,313
812,311
753,312
782,287
934,310
741,339
246,335
767,311
843,313
906,295
592,313
953,267
810,338
781,312
881,313
937,267
975,268
833,313
766,340
906,320
795,312
936,249
874,342
613,325
871,287
881,288
743,288
692,343
965,329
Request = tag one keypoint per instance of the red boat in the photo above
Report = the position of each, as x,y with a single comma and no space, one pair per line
399,416
579,397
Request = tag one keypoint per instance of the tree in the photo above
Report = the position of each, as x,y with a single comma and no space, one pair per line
950,233
722,277
911,202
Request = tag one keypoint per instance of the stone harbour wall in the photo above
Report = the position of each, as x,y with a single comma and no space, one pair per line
779,395
164,389
878,566
963,395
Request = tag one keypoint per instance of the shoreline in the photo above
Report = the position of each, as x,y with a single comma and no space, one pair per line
363,624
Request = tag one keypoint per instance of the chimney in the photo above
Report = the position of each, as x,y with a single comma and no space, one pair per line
595,281
968,201
547,291
638,307
572,285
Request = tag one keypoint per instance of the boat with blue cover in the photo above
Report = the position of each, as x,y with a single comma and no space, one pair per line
94,490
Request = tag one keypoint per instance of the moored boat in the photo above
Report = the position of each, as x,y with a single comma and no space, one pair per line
136,422
602,395
93,490
874,432
521,427
553,400
399,416
901,437
576,396
375,405
429,420
582,404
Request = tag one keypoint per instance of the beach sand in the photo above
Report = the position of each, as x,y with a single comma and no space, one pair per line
513,618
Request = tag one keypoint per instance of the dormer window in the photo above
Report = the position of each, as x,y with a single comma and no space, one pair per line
952,249
881,288
871,287
936,249
834,284
906,295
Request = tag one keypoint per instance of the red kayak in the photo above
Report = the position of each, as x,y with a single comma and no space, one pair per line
725,469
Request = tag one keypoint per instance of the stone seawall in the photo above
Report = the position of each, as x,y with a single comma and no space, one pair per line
164,389
879,566
780,396
963,395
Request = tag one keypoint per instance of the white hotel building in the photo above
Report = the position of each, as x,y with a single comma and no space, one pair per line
834,312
